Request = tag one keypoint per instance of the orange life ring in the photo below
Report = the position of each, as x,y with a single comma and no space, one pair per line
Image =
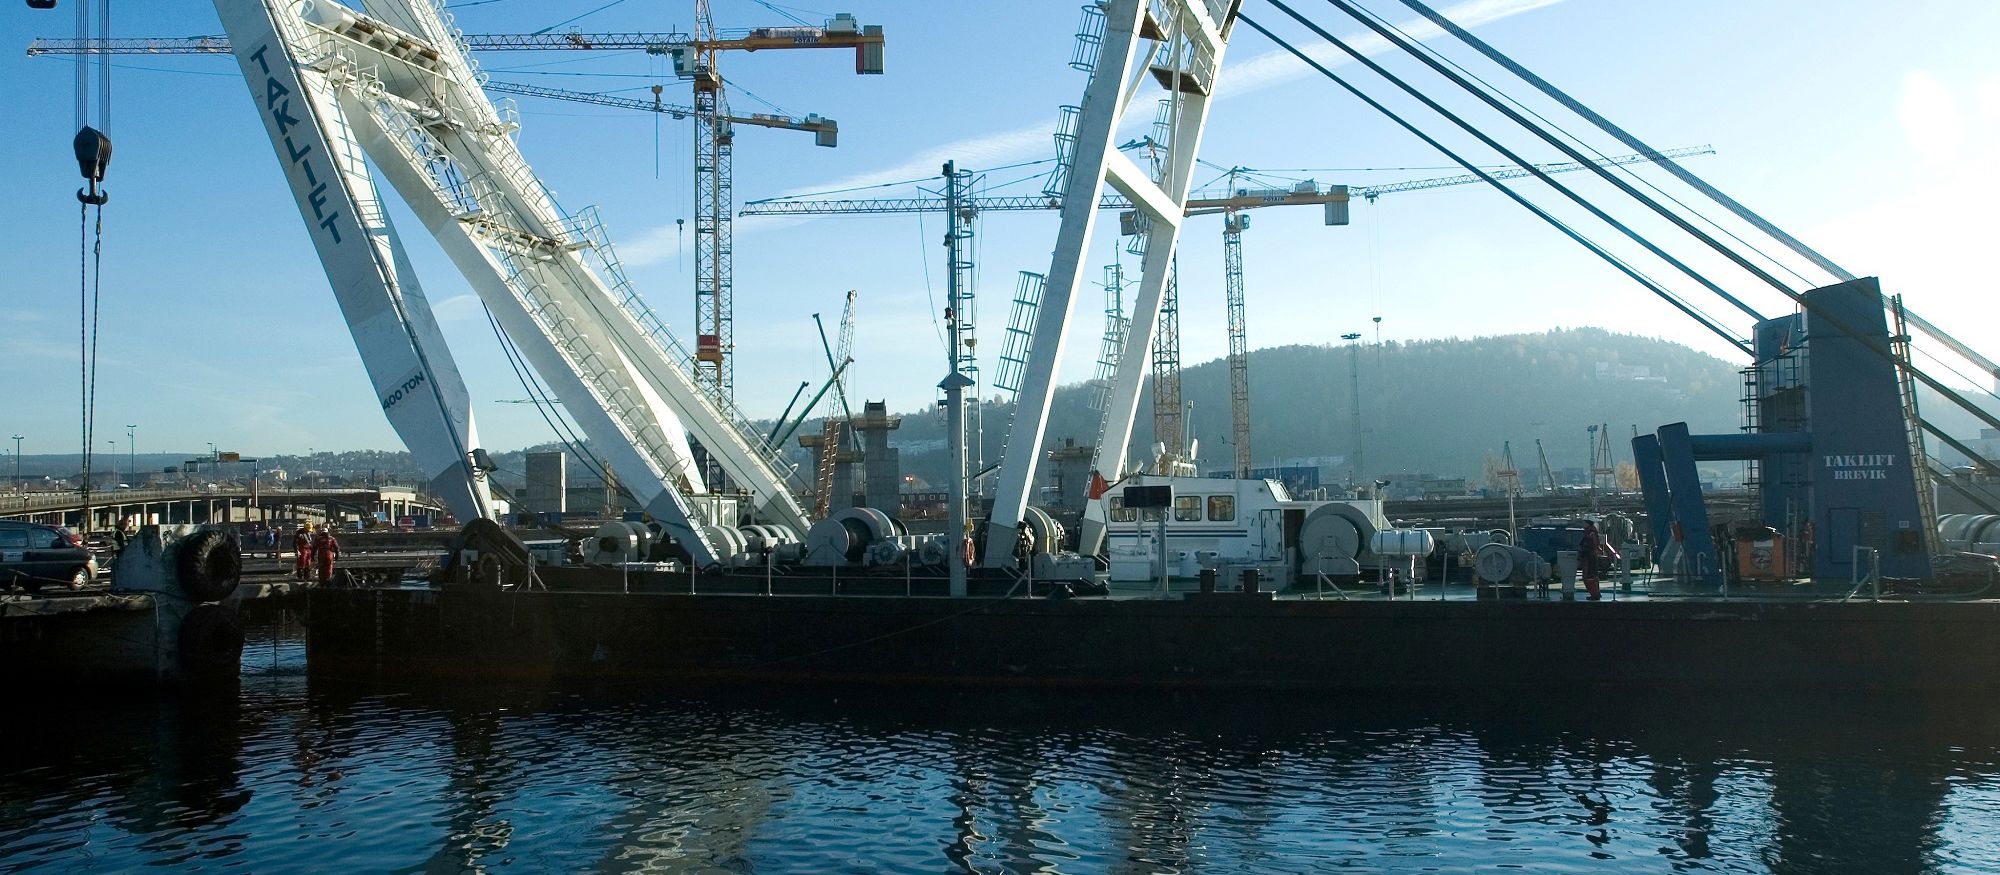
965,550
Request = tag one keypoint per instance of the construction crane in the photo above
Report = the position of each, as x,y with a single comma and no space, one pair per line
844,347
714,155
651,43
1231,202
1198,205
1548,474
825,131
1166,341
1510,480
694,59
1373,192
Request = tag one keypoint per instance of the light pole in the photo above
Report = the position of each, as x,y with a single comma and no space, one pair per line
132,453
1354,467
114,462
17,461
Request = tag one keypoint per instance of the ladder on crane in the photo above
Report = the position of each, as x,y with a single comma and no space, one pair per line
1020,332
1113,345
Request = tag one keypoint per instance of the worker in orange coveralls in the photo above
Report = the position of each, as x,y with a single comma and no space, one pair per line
325,548
1592,555
302,545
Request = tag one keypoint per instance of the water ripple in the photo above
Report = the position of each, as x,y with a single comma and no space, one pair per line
286,775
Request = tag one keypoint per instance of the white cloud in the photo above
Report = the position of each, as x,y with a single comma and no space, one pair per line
459,308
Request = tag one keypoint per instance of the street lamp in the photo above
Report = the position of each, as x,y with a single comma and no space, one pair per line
114,462
132,452
1354,465
17,461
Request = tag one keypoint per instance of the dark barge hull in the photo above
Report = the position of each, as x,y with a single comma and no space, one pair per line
1220,641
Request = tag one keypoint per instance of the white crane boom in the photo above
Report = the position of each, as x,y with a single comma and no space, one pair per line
1179,44
392,81
412,370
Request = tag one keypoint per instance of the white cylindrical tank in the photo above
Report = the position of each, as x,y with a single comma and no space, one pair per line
328,14
1402,542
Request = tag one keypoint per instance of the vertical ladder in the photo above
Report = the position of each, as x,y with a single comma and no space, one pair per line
964,300
1167,428
1753,402
1113,347
1020,334
1920,466
829,456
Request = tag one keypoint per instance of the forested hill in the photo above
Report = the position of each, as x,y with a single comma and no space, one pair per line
1431,406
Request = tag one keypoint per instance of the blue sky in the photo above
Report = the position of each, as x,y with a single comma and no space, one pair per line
1869,129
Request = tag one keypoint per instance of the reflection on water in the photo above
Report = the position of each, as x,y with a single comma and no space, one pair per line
286,775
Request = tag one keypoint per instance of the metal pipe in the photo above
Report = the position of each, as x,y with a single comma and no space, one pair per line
810,405
785,416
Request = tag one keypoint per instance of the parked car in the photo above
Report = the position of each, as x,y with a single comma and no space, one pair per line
32,555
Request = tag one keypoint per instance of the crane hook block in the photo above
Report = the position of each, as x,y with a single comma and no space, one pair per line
41,4
93,155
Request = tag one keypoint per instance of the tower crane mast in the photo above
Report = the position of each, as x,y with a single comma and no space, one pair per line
714,295
1233,224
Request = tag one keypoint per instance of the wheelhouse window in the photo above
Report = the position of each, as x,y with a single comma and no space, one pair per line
1119,512
1187,509
1221,508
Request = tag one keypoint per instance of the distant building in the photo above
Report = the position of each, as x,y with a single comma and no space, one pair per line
547,490
1635,373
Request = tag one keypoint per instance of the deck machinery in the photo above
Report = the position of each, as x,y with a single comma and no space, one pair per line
1830,442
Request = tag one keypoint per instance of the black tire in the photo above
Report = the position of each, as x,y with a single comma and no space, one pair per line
79,578
209,564
211,640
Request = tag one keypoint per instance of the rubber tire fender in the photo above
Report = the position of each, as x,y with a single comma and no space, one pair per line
210,564
211,640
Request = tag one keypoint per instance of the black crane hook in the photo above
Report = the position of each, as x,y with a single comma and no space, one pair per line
93,155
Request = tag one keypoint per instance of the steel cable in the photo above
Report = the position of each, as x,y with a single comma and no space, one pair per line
1637,276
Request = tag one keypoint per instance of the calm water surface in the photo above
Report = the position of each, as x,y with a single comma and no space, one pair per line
290,775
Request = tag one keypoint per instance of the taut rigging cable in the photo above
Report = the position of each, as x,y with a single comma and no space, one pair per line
1630,271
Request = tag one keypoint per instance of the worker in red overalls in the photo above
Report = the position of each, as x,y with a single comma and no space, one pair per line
1592,556
325,548
302,545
